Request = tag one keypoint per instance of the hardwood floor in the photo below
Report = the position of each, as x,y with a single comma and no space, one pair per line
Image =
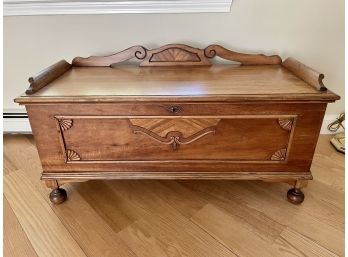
152,218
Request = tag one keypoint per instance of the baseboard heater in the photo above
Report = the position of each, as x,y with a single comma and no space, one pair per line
16,123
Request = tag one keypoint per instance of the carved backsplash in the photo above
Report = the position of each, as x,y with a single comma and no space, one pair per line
177,55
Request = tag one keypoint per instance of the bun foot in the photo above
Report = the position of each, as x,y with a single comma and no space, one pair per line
58,196
295,196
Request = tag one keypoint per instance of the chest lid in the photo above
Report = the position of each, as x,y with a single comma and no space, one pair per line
177,73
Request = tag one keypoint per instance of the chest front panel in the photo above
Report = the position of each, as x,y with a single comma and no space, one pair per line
180,136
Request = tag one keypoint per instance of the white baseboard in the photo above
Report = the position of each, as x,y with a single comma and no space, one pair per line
21,125
17,125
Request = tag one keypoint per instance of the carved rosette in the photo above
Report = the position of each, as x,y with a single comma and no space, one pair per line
65,124
286,123
279,155
72,155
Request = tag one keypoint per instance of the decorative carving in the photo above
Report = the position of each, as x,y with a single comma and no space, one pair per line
72,155
174,132
173,55
279,155
135,51
245,59
286,123
177,55
173,138
187,126
65,124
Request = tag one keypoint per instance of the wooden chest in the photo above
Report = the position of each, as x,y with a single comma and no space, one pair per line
177,117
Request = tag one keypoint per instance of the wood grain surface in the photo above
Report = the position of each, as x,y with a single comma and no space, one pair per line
46,76
216,83
307,74
171,218
175,55
243,59
104,142
102,61
87,138
50,237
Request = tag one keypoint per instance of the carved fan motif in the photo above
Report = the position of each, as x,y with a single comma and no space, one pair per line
65,124
72,155
175,55
286,123
279,155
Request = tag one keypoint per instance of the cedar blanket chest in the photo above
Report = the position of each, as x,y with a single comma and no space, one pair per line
177,116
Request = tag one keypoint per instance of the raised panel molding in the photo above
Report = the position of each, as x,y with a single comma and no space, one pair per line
46,7
172,131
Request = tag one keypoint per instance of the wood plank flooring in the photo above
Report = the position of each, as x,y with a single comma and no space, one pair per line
153,218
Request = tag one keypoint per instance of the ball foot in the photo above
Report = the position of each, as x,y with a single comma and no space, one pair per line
295,196
58,196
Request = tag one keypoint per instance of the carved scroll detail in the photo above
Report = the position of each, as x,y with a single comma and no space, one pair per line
307,74
245,59
286,123
177,55
165,131
139,52
72,155
279,155
65,124
173,138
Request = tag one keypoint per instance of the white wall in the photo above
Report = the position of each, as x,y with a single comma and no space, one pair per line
311,31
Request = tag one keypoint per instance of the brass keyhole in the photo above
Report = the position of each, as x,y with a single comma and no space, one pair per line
174,109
